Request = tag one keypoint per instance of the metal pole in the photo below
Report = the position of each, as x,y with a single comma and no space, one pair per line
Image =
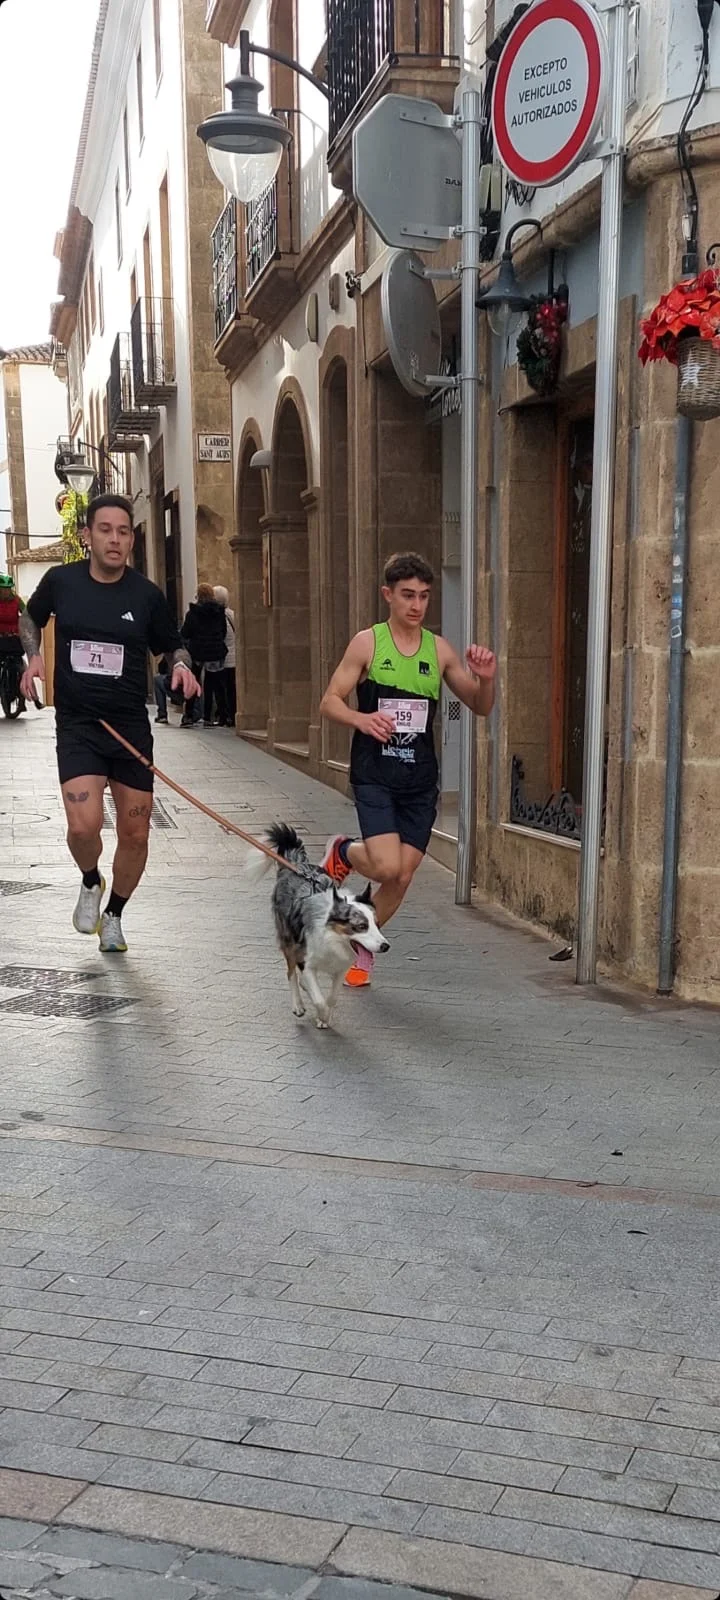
470,113
601,530
673,760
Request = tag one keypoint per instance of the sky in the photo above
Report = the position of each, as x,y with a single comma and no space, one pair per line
45,50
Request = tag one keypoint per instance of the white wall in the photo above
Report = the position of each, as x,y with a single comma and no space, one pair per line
44,418
290,353
163,151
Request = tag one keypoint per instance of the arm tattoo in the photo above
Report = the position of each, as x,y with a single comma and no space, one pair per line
181,658
29,634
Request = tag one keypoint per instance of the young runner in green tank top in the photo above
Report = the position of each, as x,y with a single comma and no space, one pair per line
397,669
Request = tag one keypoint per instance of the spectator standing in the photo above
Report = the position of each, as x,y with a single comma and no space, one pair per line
204,633
222,595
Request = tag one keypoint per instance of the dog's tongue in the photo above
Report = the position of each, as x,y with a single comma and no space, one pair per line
364,959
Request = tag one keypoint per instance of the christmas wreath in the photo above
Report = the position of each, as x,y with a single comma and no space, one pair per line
691,309
539,342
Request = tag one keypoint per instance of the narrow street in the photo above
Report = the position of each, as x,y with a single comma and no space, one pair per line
429,1301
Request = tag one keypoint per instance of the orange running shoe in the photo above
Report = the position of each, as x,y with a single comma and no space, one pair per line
332,862
359,975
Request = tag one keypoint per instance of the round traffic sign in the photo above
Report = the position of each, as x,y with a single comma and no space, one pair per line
549,90
411,319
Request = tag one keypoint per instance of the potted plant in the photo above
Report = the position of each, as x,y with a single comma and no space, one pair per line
72,508
684,329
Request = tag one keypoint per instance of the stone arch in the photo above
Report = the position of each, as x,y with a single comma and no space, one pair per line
337,553
252,652
287,525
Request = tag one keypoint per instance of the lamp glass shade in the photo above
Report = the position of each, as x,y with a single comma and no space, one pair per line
80,476
248,173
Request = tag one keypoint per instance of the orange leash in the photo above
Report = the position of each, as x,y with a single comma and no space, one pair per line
230,827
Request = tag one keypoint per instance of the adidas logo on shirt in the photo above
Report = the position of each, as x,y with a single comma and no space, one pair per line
127,616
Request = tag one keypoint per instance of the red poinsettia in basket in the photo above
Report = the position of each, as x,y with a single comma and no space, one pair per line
690,310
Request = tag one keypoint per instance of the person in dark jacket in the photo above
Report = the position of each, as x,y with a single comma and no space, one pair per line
204,634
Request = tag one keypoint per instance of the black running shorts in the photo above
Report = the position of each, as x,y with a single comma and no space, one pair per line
382,810
84,749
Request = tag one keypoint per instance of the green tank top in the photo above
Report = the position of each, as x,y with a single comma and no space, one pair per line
408,687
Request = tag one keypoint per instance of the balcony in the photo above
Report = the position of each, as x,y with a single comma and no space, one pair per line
153,351
223,19
233,327
270,254
261,235
378,47
111,478
128,420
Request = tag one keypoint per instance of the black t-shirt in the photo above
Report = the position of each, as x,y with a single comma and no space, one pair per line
123,620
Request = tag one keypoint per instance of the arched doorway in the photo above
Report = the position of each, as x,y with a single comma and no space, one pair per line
291,668
337,552
252,633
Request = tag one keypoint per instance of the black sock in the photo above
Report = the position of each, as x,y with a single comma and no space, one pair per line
343,848
116,905
91,880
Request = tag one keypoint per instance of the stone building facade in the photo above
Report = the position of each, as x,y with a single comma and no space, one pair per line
145,391
354,467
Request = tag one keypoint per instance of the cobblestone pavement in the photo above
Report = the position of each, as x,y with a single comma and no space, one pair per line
429,1301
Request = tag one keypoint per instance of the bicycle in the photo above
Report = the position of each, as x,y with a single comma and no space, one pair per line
11,700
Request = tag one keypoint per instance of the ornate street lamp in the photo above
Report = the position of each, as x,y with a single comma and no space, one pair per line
505,298
244,144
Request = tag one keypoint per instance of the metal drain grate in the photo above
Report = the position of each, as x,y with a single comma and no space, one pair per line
47,993
7,887
160,817
43,977
55,1004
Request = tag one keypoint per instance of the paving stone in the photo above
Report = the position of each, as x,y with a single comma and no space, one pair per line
107,1550
305,1541
477,1574
96,1583
261,1580
17,1572
16,1535
360,1589
36,1496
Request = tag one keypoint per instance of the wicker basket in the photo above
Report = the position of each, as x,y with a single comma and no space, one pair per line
698,391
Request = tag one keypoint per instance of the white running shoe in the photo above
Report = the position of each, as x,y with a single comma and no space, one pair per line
112,938
86,916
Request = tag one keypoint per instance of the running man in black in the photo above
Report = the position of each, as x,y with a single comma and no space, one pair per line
107,618
397,669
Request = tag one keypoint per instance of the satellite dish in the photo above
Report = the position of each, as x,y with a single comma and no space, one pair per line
411,320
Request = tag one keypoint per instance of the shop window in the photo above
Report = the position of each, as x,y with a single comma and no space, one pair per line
548,737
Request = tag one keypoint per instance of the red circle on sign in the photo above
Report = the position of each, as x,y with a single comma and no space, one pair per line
555,167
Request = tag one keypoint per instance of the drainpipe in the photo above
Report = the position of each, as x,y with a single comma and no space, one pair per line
673,760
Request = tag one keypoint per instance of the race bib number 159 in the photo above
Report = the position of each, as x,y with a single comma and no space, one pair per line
409,716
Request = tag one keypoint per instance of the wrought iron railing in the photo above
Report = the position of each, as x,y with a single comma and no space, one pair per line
261,235
128,417
560,814
75,376
224,269
363,34
153,349
111,476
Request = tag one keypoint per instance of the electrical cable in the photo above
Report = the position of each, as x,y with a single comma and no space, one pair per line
687,177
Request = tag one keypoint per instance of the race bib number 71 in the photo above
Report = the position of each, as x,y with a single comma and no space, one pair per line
101,660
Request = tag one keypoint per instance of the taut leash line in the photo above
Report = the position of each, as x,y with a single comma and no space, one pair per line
223,822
